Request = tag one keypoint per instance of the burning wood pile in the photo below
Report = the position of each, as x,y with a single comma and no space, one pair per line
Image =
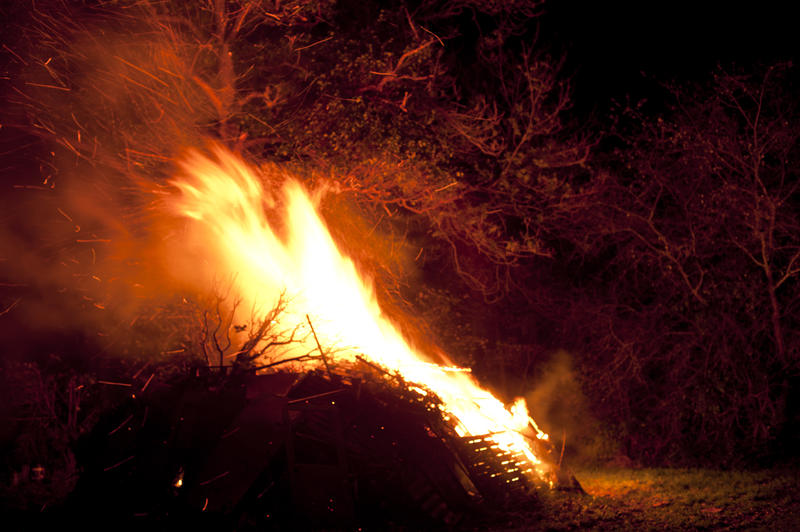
363,430
352,446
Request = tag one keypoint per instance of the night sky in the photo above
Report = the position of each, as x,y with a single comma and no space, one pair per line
609,45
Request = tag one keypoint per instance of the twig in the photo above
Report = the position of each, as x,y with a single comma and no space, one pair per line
380,369
284,361
321,352
306,47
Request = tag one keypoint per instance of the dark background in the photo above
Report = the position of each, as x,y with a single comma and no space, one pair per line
612,47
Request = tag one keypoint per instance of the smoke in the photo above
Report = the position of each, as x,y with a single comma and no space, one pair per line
561,409
99,104
76,265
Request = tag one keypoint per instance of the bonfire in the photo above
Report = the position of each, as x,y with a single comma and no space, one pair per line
318,406
327,302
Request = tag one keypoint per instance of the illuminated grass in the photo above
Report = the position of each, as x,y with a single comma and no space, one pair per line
669,499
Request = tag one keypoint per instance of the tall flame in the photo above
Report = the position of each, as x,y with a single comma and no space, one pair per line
227,208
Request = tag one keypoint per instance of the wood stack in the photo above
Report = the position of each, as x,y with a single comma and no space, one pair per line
348,447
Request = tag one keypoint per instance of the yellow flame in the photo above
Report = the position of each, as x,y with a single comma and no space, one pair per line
227,208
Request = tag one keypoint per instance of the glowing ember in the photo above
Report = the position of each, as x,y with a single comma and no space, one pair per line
232,223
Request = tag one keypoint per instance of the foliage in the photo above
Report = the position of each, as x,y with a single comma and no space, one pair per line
695,263
46,410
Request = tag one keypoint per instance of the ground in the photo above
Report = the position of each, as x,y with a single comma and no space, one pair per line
627,499
669,499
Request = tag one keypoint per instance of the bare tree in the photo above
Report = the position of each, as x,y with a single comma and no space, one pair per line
698,230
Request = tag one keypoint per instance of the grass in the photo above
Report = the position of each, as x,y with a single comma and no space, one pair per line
649,499
669,499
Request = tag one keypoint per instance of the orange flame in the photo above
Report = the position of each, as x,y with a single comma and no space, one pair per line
227,208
